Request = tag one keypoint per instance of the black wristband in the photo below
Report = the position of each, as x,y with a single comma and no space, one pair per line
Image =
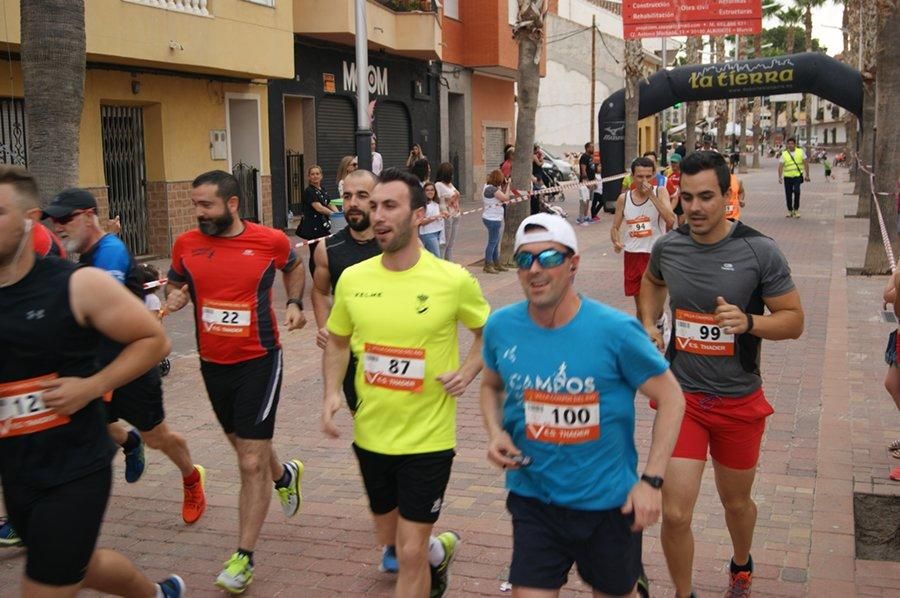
297,302
749,322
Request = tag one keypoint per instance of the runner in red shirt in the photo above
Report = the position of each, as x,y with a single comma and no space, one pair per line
46,243
227,267
673,186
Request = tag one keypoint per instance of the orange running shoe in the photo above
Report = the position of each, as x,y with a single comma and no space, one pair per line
194,498
739,587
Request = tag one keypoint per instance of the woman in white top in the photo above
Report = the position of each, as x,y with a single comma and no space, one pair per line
494,196
431,226
348,164
449,198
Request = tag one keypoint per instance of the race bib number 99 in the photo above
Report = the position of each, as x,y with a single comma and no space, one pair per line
562,418
22,409
226,318
396,368
698,333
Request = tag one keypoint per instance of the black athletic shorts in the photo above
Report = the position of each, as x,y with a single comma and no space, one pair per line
548,539
59,525
140,402
245,395
350,384
414,484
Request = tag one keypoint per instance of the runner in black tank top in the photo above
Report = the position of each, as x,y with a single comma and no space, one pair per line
352,245
54,450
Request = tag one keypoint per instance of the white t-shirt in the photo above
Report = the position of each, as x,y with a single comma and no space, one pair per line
152,302
432,209
445,192
642,224
493,207
377,163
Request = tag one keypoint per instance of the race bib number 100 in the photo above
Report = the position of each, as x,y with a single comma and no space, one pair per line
226,318
397,368
698,333
562,418
22,409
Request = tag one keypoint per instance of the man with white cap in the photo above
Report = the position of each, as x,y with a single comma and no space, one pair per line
557,398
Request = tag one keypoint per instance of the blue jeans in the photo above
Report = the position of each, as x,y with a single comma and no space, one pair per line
432,242
492,251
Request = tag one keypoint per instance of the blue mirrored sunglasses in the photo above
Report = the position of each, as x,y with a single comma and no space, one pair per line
549,258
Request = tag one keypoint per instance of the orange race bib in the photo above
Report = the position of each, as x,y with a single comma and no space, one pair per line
561,417
22,409
639,227
698,333
396,368
226,318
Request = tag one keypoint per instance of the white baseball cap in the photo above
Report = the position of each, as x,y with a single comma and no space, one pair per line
557,230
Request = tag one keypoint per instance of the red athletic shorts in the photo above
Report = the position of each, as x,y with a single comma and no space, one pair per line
635,264
728,428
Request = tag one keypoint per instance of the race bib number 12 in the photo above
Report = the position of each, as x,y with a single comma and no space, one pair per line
22,409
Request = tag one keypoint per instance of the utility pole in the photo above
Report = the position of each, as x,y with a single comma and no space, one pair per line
593,115
664,129
363,124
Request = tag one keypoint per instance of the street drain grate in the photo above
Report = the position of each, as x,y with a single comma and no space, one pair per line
877,525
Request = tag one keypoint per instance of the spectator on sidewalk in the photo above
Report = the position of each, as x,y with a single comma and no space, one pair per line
892,379
449,199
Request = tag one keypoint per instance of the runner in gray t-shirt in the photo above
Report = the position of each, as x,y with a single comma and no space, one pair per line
721,277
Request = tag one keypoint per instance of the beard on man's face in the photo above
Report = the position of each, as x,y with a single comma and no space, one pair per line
216,225
357,219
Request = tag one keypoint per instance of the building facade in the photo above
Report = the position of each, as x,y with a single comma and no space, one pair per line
168,94
313,113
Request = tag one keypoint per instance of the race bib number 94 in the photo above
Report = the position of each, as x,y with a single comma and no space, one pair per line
562,418
639,227
396,368
22,409
698,333
226,318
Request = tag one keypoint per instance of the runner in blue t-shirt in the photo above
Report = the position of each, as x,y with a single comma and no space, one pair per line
565,370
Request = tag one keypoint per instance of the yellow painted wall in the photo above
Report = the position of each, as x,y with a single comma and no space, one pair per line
649,134
240,38
178,116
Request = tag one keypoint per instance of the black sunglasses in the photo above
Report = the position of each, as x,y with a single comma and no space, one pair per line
549,258
64,220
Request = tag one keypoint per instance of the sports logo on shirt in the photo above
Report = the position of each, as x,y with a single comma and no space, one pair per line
421,308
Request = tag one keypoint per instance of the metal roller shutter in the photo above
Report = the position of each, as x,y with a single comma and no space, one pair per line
394,133
494,140
335,138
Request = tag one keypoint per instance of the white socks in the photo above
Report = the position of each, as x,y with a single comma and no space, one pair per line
436,552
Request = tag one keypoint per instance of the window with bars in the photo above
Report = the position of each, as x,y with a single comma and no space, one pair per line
13,149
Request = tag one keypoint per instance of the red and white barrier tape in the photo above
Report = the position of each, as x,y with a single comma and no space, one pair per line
885,237
155,284
519,197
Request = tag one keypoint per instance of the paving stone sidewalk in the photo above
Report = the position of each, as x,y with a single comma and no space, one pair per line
826,440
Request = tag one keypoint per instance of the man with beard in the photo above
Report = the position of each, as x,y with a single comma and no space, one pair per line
399,312
226,267
54,450
351,245
140,402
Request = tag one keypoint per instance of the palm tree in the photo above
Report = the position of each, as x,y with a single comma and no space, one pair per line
721,105
850,23
768,10
634,60
807,7
887,155
529,35
868,31
53,64
692,49
790,18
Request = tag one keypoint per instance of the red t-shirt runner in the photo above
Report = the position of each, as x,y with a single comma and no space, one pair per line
231,282
45,242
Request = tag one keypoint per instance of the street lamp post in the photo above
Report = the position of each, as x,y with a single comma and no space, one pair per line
363,123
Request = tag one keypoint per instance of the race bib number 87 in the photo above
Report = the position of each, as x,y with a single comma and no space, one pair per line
698,333
562,418
397,368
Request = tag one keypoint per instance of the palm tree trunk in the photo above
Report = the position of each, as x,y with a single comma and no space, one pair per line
721,105
634,58
867,140
807,100
530,42
53,64
887,155
851,39
690,110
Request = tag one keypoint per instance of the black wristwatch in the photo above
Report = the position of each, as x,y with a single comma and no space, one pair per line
297,302
654,480
749,322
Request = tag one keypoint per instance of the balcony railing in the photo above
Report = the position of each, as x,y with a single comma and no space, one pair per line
409,5
191,7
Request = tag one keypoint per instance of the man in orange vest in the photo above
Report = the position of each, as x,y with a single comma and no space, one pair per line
735,199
